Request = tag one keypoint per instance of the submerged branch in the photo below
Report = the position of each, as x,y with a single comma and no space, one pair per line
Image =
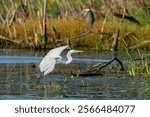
96,68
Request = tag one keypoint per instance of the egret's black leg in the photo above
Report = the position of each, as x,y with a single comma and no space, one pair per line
40,78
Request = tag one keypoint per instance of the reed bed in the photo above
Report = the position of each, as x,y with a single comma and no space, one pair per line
69,27
47,23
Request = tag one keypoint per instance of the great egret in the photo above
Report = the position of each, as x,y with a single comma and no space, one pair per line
47,65
89,17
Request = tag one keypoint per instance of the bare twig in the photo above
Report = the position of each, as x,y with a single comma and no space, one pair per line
2,19
130,18
55,37
25,28
5,6
12,18
44,24
102,29
76,36
139,45
24,7
40,16
35,36
14,29
115,42
2,38
80,35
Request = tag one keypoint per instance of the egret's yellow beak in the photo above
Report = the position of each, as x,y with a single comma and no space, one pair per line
78,51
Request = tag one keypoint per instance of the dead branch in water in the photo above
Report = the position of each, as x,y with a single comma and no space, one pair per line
95,70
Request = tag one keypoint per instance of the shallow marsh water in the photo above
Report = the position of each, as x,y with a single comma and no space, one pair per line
19,74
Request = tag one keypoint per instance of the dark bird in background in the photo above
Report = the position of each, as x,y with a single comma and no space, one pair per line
89,15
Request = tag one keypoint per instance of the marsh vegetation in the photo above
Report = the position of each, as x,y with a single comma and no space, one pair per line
121,27
32,24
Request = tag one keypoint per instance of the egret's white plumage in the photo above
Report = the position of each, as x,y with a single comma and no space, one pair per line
47,65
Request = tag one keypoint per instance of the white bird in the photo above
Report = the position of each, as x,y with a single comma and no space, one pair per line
48,63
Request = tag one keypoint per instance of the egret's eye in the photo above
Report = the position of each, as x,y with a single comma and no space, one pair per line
68,48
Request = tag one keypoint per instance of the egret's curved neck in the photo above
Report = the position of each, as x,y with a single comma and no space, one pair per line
69,58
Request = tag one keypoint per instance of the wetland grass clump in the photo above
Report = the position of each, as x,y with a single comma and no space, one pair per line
138,67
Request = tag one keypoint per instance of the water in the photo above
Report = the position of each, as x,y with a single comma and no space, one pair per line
19,74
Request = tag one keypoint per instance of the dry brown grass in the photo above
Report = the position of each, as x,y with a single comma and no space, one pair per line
70,27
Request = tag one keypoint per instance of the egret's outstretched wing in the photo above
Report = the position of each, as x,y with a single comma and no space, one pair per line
56,52
48,63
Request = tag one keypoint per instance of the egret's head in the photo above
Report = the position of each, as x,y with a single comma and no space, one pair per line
69,55
68,48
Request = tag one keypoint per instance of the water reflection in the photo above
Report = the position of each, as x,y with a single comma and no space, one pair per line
19,81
